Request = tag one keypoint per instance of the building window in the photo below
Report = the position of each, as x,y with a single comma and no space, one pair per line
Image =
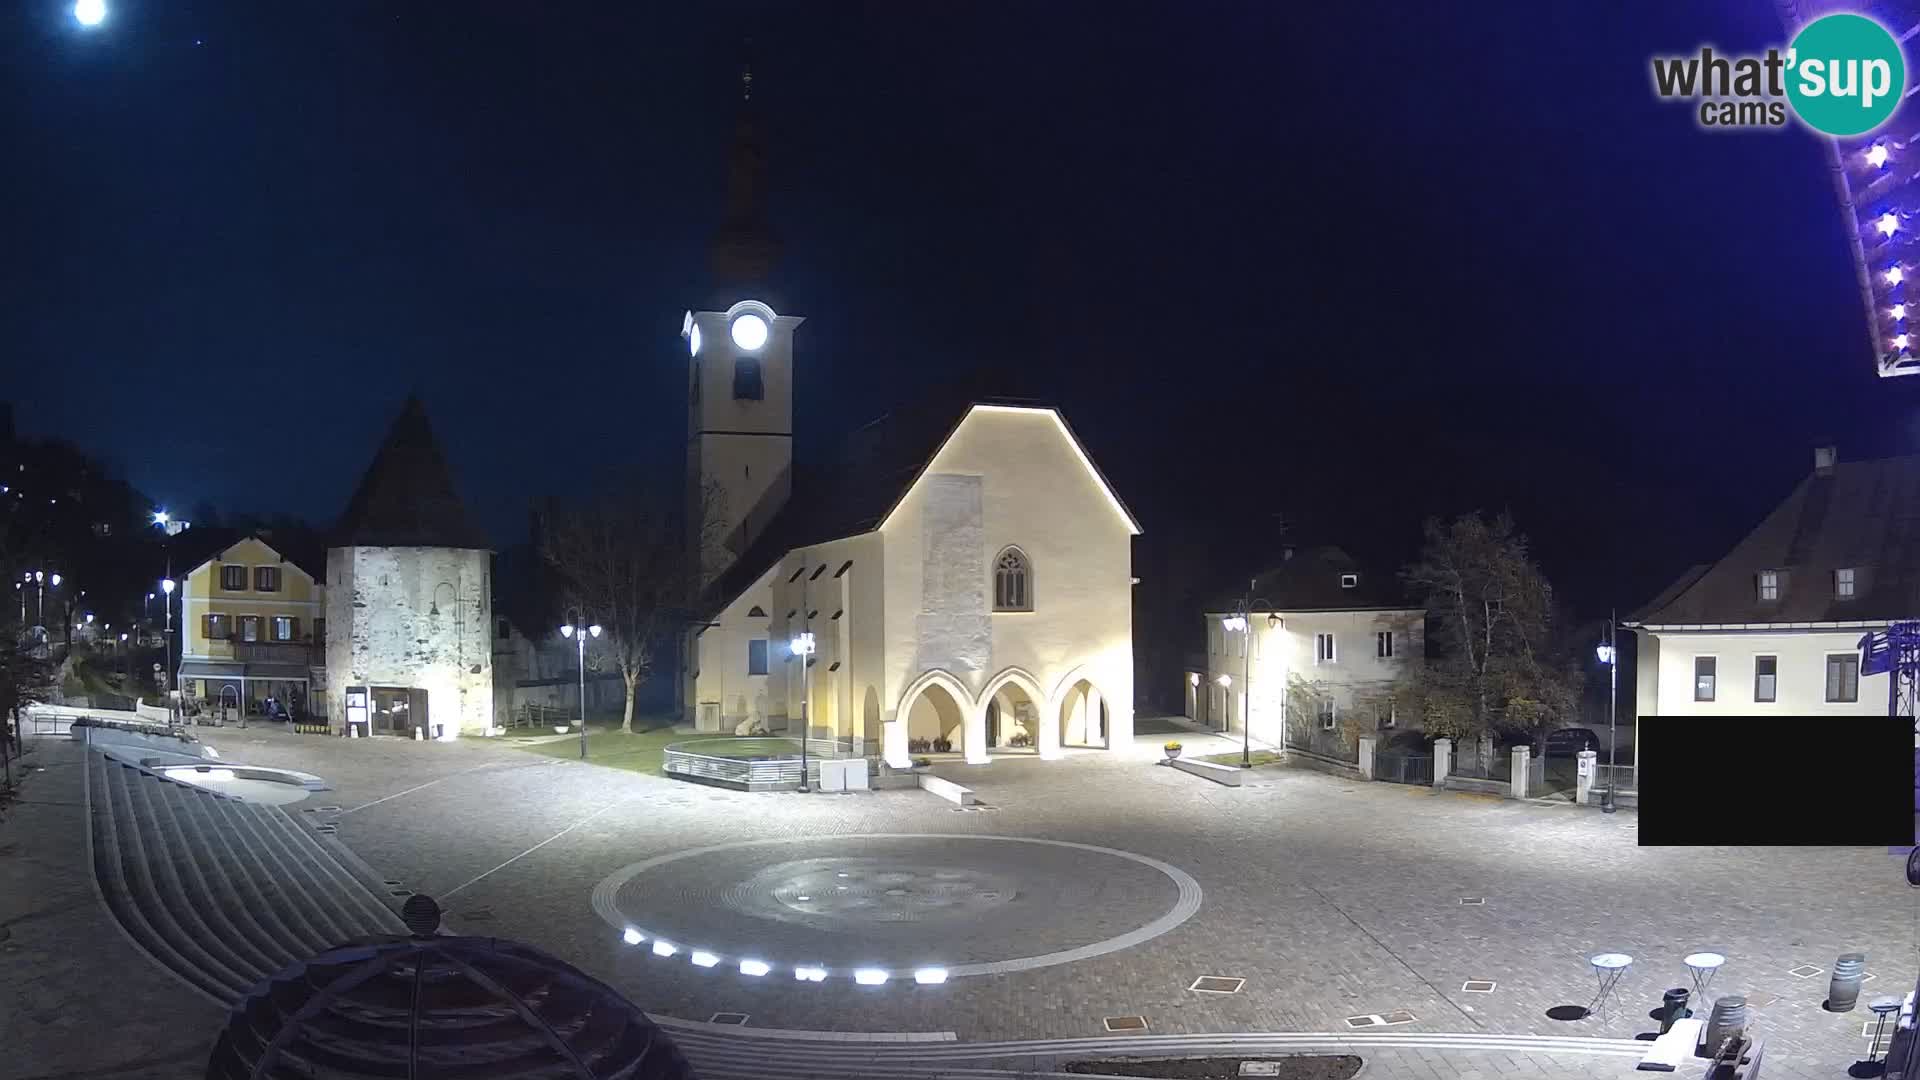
1323,652
266,579
1769,584
1012,581
1329,714
1386,716
1349,581
233,578
1766,678
285,628
249,628
746,379
1703,677
1383,644
1843,677
218,627
1843,580
757,656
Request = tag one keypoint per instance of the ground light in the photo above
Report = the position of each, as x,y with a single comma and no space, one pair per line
701,958
755,968
632,936
661,948
930,975
810,974
869,976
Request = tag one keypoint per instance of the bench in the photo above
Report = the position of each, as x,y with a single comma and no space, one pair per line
1229,775
947,789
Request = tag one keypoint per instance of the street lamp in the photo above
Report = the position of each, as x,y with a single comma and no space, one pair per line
1239,622
90,13
1610,656
580,638
166,587
803,647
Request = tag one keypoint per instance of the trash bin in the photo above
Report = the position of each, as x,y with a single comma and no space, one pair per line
1673,1006
1727,1021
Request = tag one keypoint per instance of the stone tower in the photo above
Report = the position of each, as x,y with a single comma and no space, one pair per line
740,366
409,600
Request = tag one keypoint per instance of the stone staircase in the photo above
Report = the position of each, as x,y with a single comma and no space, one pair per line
221,892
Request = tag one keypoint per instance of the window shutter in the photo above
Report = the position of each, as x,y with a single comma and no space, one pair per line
206,627
293,629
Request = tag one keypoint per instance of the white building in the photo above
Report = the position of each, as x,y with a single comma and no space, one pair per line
1326,638
963,568
1775,626
409,615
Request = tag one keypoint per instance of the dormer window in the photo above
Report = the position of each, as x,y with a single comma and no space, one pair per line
1844,583
1349,581
1769,583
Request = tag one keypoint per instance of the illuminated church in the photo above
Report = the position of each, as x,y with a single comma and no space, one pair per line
957,579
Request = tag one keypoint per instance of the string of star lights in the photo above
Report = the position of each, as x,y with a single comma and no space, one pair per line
1877,178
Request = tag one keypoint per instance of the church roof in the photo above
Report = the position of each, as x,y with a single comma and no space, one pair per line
1312,580
406,498
876,467
1860,515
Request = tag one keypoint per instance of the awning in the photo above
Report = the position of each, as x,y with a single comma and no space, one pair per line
229,669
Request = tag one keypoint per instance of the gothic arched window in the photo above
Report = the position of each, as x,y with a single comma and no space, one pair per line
1012,581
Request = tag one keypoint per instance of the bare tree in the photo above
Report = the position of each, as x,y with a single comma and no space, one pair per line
631,563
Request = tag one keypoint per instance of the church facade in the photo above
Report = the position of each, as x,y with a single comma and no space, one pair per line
963,569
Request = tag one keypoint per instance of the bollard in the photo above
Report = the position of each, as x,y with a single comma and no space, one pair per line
1843,991
1727,1021
1673,1006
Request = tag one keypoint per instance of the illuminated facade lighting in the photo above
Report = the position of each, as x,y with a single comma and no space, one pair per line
1887,224
1877,155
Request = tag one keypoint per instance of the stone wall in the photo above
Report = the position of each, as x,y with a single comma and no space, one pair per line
413,617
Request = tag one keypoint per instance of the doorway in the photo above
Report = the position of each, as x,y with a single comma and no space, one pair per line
398,710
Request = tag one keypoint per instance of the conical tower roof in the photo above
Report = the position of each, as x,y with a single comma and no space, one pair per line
406,498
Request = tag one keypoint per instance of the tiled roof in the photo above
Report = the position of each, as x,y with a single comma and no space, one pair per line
1859,515
406,498
1310,580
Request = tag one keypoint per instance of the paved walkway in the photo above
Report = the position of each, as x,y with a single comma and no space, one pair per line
1332,898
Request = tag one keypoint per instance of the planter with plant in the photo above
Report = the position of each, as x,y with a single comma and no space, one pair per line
1020,738
1172,749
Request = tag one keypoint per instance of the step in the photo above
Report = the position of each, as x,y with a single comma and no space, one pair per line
289,888
272,933
198,941
110,870
323,899
200,912
359,904
162,934
209,873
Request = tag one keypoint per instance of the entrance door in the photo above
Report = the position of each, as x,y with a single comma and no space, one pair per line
393,711
993,723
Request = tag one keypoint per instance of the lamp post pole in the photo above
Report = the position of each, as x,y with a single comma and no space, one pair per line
1242,620
580,634
1610,656
802,647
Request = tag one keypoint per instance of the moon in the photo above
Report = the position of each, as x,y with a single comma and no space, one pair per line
90,12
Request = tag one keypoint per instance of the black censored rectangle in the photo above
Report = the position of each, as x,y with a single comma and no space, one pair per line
1718,781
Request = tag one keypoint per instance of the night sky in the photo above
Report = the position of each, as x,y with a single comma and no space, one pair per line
1342,265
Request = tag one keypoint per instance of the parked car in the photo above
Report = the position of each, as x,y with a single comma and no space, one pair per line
1569,741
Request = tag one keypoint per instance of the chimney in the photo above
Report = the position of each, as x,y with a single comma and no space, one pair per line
1823,459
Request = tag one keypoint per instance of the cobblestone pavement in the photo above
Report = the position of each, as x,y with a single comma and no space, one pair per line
1331,898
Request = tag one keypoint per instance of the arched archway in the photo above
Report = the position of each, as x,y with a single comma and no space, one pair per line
935,708
1082,712
1015,709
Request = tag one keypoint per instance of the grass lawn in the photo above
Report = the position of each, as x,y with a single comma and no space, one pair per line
642,751
1260,757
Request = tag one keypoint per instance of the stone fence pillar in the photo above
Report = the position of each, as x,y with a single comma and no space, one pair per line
1586,769
1517,784
1442,761
1366,757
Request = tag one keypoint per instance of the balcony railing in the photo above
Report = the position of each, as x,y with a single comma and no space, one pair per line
279,652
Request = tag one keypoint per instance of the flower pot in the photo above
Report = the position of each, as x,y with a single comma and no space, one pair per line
1172,752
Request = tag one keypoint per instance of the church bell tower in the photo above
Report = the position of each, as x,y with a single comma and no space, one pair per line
740,368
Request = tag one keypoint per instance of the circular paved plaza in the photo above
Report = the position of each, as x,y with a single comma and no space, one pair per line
957,903
1331,898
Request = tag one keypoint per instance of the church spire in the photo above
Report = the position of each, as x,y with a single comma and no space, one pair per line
744,248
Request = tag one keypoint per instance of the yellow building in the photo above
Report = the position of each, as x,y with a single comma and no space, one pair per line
253,626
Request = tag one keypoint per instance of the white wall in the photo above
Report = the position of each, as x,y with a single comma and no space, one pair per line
381,629
1287,651
720,664
1034,491
1801,685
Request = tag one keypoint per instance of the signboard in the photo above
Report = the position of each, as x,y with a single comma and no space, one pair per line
357,710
